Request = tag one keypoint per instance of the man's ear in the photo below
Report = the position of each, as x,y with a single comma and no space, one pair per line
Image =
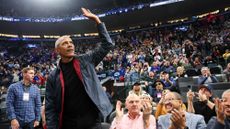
57,50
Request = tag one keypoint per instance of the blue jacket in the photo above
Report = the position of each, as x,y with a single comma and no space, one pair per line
84,66
193,121
202,79
214,124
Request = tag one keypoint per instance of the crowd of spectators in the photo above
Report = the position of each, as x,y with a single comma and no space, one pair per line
158,57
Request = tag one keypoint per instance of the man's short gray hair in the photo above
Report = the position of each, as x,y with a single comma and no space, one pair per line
225,92
60,40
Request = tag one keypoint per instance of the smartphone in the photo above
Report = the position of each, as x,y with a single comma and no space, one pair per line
189,87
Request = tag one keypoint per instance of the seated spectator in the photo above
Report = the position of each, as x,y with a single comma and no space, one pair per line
209,61
227,72
135,73
160,110
157,94
167,67
180,72
206,77
108,94
226,55
177,118
134,119
137,89
222,120
197,63
204,106
167,80
148,98
155,67
149,82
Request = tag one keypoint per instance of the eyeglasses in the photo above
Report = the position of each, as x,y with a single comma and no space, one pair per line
158,83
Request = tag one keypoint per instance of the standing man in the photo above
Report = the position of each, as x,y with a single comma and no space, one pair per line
24,102
74,96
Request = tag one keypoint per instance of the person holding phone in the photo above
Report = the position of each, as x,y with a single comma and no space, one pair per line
205,105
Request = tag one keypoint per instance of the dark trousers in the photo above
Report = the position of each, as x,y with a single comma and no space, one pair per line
82,122
75,126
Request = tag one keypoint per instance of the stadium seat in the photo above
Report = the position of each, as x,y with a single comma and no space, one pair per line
191,72
105,125
216,70
112,116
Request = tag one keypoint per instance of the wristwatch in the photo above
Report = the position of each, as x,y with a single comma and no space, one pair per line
186,127
205,101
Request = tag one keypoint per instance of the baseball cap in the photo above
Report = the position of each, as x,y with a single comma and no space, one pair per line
209,88
137,84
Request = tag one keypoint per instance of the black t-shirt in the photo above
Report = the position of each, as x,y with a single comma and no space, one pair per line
202,109
77,103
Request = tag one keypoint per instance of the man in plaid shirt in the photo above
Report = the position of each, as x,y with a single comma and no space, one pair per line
24,102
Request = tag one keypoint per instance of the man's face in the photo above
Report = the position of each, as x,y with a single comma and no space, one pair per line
205,72
171,102
66,48
29,75
133,104
226,103
205,91
159,86
151,74
136,88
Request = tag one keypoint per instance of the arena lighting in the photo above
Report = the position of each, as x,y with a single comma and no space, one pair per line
178,20
51,36
31,36
206,14
46,2
91,34
76,35
164,3
226,9
9,35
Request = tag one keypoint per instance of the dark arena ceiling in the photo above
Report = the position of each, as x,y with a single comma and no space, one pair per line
61,8
69,8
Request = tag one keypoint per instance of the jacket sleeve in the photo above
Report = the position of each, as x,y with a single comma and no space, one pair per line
161,123
96,56
201,123
214,124
38,105
201,80
50,110
214,79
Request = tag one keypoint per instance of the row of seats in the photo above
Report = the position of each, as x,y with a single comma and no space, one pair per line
196,72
